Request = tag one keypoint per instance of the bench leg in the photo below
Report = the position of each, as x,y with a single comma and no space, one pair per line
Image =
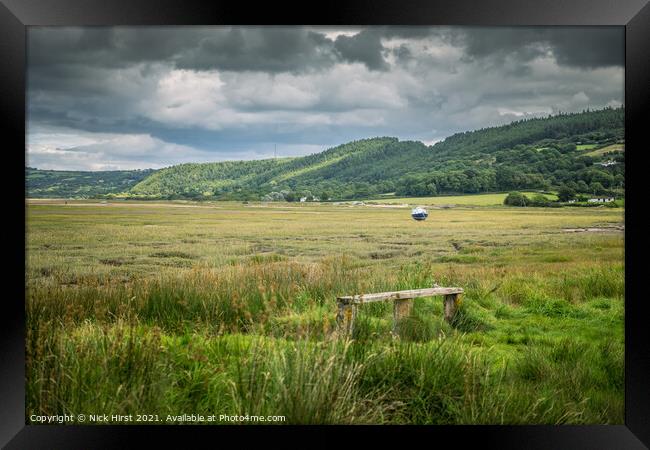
401,310
451,302
345,318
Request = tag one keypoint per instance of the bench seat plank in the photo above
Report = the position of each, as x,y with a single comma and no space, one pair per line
413,293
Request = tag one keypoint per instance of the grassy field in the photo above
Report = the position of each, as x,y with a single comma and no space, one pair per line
586,146
171,308
461,200
609,148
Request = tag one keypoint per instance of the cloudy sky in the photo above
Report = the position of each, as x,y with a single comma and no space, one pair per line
104,98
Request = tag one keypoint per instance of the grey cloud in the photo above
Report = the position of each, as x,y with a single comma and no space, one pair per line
270,49
581,47
275,49
364,47
523,44
590,48
295,49
107,46
402,53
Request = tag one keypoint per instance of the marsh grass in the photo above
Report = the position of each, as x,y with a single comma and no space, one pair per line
309,383
218,315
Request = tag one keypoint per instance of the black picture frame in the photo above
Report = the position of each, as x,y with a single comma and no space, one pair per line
16,15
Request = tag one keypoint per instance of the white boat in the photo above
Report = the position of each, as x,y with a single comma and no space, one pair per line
419,213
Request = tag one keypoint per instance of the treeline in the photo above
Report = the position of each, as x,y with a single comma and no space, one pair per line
565,196
526,168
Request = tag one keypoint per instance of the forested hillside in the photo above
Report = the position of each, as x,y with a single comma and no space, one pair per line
80,184
583,152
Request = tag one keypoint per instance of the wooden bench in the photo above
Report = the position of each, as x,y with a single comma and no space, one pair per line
402,305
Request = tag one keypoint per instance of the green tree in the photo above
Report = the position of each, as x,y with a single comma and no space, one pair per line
565,193
596,188
515,199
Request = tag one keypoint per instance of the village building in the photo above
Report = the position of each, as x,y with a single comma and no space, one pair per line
601,200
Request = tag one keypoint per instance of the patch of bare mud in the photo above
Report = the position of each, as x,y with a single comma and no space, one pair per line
605,229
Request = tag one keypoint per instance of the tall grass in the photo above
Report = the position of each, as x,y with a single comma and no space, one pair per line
308,383
92,369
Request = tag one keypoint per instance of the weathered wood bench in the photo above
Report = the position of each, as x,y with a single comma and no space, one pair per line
402,305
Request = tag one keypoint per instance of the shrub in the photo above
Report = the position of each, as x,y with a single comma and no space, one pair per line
538,200
515,199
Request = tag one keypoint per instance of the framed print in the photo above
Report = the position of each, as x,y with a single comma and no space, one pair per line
399,221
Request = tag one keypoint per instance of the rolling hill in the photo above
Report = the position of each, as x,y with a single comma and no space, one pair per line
538,153
80,184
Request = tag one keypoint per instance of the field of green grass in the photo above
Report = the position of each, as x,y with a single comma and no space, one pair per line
493,199
609,148
224,308
586,146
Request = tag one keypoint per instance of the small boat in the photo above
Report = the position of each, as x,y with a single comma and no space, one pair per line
419,213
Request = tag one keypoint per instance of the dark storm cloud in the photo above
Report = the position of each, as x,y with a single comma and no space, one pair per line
275,49
109,47
594,47
584,47
269,49
294,49
364,47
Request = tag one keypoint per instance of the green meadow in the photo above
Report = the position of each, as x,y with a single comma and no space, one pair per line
165,308
493,199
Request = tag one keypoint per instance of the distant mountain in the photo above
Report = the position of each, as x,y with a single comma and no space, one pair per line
584,151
